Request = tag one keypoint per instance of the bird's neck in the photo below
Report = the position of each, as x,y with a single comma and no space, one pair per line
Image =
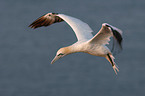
72,49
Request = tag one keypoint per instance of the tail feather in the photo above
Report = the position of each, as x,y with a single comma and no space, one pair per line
111,58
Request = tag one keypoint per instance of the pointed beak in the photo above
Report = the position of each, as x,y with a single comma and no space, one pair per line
55,59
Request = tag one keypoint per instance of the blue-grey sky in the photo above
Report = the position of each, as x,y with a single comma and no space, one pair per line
25,54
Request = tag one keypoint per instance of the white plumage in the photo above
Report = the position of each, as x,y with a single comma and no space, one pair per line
81,29
87,43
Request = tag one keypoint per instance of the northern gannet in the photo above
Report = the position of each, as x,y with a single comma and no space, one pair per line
87,43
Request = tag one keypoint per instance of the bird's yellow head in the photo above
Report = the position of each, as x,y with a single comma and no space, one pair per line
61,53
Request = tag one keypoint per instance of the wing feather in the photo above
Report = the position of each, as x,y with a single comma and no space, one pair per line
46,20
103,36
81,29
105,33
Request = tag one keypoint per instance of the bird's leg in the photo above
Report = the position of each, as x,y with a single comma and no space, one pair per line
110,58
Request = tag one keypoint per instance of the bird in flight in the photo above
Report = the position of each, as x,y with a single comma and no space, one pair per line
87,43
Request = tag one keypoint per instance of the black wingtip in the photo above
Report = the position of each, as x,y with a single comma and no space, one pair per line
46,20
117,35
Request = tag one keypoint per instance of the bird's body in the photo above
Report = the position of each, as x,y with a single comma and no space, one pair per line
87,43
87,47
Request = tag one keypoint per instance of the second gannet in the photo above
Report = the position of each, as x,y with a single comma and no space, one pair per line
87,43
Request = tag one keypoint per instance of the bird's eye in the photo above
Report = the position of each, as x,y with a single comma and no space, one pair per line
107,25
60,54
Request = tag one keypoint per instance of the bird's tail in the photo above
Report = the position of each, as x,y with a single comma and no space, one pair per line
111,58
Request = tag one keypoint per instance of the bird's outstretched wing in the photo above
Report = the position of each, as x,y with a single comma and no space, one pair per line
81,29
46,20
107,31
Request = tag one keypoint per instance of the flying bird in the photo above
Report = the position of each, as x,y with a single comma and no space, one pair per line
87,43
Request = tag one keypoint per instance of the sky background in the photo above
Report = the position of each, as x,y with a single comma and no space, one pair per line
25,54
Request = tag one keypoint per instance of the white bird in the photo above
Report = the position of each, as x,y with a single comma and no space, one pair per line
87,43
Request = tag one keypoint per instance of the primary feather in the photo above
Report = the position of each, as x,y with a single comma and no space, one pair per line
81,29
